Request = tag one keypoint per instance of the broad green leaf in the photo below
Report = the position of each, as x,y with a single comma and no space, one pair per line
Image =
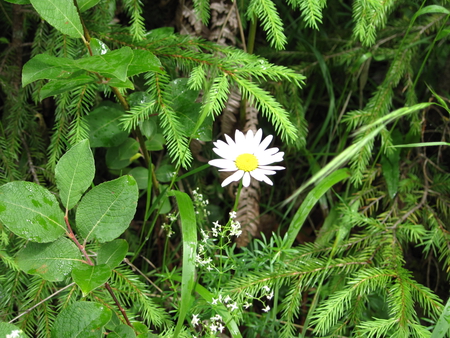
19,2
60,86
74,173
112,253
155,143
144,61
112,64
52,261
11,331
122,331
84,5
31,212
61,14
310,201
98,47
104,128
121,156
189,232
140,174
121,84
443,324
90,277
81,320
183,102
165,173
44,66
106,211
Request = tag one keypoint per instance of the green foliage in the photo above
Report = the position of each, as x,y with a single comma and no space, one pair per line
111,220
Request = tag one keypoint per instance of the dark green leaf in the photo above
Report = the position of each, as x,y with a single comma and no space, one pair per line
31,212
112,64
44,66
74,173
104,129
119,157
84,5
52,261
140,174
81,320
144,61
90,277
122,331
56,87
165,173
106,211
61,14
112,253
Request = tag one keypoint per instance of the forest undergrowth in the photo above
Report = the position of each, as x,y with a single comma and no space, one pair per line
214,168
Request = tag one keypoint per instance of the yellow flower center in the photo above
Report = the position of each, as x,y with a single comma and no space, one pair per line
247,162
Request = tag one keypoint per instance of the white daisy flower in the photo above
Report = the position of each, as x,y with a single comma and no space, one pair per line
247,156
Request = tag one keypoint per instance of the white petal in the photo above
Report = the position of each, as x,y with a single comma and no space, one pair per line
246,179
271,167
226,153
223,164
230,140
239,138
261,176
265,143
249,136
259,171
233,178
264,160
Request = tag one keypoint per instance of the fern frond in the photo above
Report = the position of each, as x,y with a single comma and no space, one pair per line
137,25
370,16
266,11
137,114
202,9
311,11
177,141
131,290
83,98
216,98
269,107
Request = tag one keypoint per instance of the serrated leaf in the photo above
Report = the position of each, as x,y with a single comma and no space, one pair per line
144,61
74,173
106,211
56,87
52,261
111,64
104,129
44,66
112,253
61,14
31,212
81,319
90,277
11,331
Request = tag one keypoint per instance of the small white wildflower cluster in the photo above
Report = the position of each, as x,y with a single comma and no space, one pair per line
215,324
266,295
168,227
218,232
200,203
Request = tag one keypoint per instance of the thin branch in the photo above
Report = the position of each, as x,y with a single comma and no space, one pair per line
42,301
